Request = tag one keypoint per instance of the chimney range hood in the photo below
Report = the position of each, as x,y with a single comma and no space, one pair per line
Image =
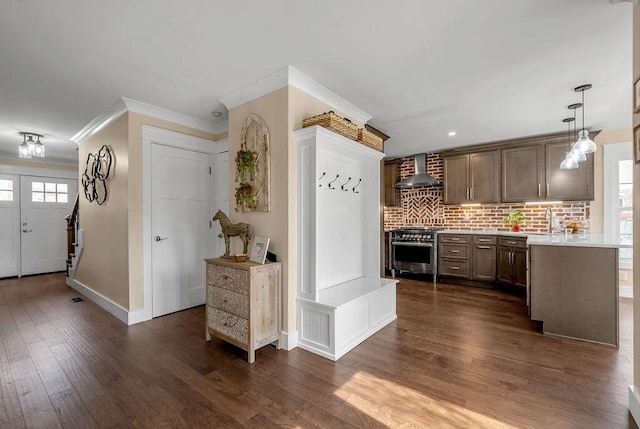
420,178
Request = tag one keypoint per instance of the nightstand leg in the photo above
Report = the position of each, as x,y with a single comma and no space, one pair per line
207,335
252,356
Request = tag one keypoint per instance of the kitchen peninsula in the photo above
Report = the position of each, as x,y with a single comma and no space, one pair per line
571,280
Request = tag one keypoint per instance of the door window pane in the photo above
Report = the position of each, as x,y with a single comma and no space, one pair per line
63,198
6,195
62,187
6,185
50,187
37,186
50,197
37,197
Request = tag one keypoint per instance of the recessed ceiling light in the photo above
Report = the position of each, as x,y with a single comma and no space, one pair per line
216,114
452,133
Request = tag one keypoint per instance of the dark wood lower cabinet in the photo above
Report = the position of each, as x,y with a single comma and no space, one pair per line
483,260
512,261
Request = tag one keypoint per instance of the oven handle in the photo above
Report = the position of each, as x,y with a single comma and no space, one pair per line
403,243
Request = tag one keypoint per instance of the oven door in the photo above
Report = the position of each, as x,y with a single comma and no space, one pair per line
415,258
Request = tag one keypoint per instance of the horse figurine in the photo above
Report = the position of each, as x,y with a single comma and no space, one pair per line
242,230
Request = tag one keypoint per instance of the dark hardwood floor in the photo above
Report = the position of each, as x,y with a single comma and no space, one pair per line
456,357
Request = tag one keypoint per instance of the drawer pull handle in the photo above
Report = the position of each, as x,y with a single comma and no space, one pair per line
484,247
454,239
455,268
512,242
483,240
455,251
229,323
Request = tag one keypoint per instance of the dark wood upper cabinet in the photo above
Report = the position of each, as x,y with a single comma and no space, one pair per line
523,174
391,176
567,185
472,178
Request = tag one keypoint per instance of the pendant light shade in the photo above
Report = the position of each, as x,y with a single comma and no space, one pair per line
571,159
584,143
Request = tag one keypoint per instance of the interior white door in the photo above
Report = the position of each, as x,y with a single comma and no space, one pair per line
221,196
180,200
44,203
9,226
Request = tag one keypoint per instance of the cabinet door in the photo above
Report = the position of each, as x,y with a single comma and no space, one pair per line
520,267
504,264
523,174
484,262
567,185
484,176
456,179
391,176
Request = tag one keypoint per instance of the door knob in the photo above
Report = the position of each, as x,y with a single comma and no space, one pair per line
26,230
158,238
220,235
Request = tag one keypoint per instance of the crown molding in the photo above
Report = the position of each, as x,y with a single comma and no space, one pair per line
123,105
292,77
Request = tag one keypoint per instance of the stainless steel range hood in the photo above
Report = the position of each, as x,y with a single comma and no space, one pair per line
420,178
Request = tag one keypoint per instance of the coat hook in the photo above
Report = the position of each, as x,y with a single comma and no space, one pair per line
357,184
320,178
342,186
333,187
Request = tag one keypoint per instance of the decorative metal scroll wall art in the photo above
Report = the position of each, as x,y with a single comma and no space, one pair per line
253,167
96,173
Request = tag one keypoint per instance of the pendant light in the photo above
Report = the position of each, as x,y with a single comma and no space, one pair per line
584,143
578,154
570,161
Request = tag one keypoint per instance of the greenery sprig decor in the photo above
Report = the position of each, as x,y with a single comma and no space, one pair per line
245,196
515,220
245,165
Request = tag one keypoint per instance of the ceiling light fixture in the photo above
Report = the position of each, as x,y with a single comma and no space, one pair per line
452,133
577,154
31,147
216,114
584,143
570,161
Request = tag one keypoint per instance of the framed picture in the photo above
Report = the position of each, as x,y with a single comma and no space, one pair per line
636,144
636,95
259,249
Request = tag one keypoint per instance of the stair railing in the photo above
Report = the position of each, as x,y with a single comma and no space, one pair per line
72,228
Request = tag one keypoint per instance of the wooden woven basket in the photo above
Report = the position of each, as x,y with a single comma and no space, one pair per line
369,139
333,122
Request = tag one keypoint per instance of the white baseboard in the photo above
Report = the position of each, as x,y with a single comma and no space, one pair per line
289,340
115,309
626,291
634,403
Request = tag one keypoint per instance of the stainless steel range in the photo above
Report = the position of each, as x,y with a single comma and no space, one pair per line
413,250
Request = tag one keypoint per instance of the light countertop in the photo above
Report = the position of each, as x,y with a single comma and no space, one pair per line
545,239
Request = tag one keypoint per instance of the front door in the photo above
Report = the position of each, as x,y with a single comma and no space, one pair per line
44,203
180,199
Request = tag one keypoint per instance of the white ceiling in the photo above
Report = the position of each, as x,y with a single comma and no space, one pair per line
490,69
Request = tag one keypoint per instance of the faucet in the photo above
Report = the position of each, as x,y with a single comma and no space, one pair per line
549,216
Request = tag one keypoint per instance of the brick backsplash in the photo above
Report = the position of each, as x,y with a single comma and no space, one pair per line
423,206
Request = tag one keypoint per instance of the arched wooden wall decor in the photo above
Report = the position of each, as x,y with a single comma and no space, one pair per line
96,173
253,170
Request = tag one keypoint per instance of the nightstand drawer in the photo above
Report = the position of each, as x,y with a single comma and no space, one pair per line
228,324
228,278
229,301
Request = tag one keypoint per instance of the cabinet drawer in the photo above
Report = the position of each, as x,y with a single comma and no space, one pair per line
484,239
453,238
513,242
228,324
228,278
229,301
454,251
454,267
